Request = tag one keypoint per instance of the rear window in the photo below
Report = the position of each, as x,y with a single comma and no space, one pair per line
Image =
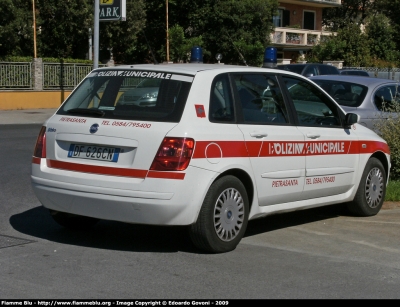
345,93
130,94
328,70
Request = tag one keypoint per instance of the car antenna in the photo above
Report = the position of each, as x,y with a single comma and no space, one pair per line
241,56
151,51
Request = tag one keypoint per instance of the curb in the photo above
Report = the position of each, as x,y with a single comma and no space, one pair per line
390,205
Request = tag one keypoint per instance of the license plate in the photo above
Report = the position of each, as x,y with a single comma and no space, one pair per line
94,152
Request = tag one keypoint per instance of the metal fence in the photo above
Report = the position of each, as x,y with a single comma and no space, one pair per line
384,73
19,75
54,76
15,75
64,76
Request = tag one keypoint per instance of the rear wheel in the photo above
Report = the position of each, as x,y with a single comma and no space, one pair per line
371,191
73,221
222,220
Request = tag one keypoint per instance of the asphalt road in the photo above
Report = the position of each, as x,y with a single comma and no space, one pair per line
313,254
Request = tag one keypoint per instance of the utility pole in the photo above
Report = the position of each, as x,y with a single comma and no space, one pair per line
90,52
96,34
34,30
166,6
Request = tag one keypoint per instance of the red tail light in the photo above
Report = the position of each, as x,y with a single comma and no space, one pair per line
174,154
40,147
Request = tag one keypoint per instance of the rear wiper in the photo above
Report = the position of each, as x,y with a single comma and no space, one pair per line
94,112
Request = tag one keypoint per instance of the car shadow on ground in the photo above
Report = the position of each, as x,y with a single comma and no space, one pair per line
111,235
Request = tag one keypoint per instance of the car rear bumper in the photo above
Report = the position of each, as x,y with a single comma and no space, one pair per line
178,207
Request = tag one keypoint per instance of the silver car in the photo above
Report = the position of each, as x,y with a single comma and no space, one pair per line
368,97
143,95
310,69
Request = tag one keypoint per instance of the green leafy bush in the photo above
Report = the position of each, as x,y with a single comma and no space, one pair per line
68,60
16,59
389,130
47,60
393,191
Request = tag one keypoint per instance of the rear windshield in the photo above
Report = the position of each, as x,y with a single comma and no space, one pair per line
130,94
345,93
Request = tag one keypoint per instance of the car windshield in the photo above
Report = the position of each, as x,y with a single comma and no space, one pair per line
345,93
130,94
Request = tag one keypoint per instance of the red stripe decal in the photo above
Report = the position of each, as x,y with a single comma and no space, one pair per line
99,170
166,175
36,160
317,148
373,146
230,149
237,149
254,148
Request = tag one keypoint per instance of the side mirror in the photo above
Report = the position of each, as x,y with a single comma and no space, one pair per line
350,119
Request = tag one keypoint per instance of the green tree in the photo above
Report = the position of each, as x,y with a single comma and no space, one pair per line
181,46
381,38
351,11
16,33
391,9
240,30
183,14
64,28
366,33
350,45
234,28
122,36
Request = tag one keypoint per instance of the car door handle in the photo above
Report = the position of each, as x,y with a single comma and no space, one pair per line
258,134
313,136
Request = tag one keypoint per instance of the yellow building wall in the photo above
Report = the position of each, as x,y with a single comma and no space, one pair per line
20,100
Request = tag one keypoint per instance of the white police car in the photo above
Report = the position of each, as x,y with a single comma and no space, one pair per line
220,145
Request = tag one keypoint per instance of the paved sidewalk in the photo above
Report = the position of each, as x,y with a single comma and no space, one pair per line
26,116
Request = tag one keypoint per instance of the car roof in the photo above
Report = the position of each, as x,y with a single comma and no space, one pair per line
352,70
354,79
355,71
192,68
305,64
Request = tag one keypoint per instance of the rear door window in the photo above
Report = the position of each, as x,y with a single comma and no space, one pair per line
387,98
221,102
260,99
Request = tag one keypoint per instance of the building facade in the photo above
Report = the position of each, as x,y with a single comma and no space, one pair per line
298,27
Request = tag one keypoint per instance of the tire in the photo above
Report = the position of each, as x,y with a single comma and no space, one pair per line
222,220
371,191
73,221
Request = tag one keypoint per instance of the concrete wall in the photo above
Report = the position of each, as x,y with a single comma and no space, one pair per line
20,100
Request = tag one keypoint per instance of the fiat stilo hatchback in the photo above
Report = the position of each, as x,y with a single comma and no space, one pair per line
214,147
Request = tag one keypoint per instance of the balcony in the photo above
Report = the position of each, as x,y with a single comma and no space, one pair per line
298,37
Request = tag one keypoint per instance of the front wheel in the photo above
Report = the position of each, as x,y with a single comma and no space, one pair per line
371,191
222,220
73,221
